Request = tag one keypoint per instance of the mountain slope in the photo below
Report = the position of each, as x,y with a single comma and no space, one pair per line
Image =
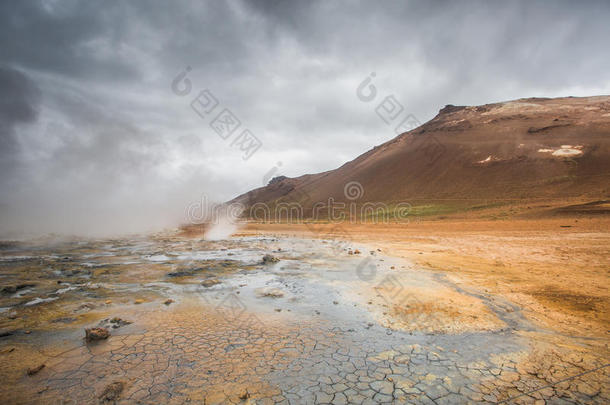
517,150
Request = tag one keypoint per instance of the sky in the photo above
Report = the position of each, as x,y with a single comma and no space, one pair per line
122,117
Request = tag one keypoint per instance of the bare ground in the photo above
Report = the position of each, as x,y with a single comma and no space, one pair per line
557,269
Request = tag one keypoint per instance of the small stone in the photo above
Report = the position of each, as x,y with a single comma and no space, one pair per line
244,396
9,289
34,370
93,334
138,301
268,259
118,322
336,302
112,391
108,302
210,282
357,252
168,301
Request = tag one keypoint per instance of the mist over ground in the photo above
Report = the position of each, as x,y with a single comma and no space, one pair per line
94,140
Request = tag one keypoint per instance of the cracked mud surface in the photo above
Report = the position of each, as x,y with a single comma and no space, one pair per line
319,326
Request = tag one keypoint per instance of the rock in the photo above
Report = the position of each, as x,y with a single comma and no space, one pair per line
357,252
336,302
268,259
113,323
210,282
112,391
108,302
93,334
85,307
138,301
34,370
118,322
168,301
9,289
7,350
180,274
244,396
270,292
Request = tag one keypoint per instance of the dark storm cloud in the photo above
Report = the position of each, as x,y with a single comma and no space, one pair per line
96,141
18,105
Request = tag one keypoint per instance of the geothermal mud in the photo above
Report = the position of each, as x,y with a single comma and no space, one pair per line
314,321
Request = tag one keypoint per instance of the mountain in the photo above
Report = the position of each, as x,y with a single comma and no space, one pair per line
530,149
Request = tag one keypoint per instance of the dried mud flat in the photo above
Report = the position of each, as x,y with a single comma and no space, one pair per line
318,321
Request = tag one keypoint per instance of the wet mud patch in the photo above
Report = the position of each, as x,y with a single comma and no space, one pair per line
553,296
209,268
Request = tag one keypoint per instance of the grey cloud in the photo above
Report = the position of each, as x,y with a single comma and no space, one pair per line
18,105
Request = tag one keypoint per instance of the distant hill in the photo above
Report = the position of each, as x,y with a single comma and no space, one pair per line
526,149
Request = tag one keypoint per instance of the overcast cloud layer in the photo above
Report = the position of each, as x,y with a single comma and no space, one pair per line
94,141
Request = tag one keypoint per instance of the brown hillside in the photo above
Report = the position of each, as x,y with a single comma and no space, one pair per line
526,149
